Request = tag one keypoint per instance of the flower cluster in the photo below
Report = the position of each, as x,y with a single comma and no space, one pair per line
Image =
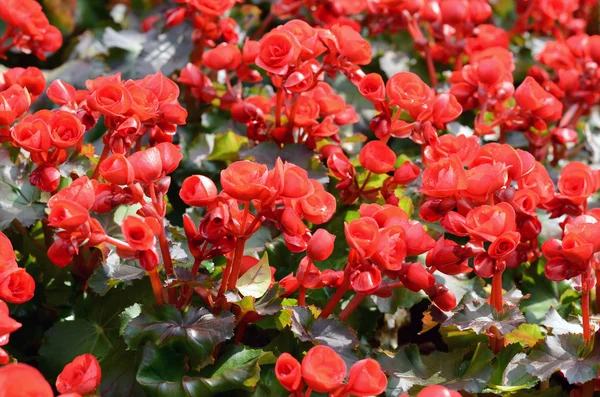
324,371
79,378
27,29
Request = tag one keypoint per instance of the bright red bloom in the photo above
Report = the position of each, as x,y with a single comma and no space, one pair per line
489,222
392,249
406,173
288,372
408,91
117,169
22,380
444,178
32,134
504,245
110,99
278,50
81,376
377,157
61,93
147,164
319,207
531,97
170,156
577,182
67,215
65,129
366,280
138,234
323,369
464,147
366,379
45,178
321,245
198,191
352,45
363,235
245,180
484,180
16,286
223,57
445,259
372,87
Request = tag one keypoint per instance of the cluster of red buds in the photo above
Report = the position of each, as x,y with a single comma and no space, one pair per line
79,378
296,56
208,19
408,95
559,18
324,371
283,197
16,286
27,29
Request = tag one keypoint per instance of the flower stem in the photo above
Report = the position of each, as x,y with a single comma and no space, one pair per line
496,297
103,157
166,255
301,296
290,124
237,263
156,287
585,309
356,300
335,299
279,106
597,291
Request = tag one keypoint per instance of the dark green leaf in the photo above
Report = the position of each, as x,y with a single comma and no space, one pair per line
118,373
196,334
160,371
562,353
480,316
239,370
69,339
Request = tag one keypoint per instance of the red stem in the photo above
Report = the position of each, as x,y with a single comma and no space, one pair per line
237,263
166,255
279,106
117,243
302,296
156,287
585,309
103,157
335,299
290,124
352,305
496,297
597,272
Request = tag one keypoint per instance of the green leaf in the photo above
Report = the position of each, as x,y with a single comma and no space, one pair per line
510,375
160,371
478,372
329,332
18,199
196,334
255,282
69,339
407,369
480,316
526,335
119,372
560,326
238,370
227,146
563,353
